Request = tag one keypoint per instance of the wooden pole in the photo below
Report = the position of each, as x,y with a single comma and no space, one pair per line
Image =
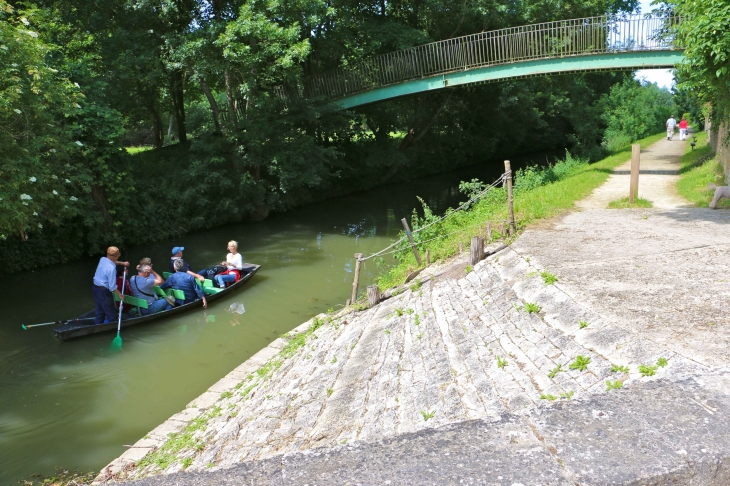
428,257
358,256
489,231
373,295
635,162
413,243
510,198
461,248
476,251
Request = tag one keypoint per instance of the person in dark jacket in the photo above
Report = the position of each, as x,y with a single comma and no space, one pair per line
177,254
180,280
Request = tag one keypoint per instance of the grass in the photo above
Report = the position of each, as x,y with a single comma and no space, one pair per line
501,363
553,372
417,320
624,203
415,285
619,369
695,174
614,385
548,397
581,363
531,308
583,324
136,150
548,278
543,202
567,395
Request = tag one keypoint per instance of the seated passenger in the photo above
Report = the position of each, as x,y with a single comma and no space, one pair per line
180,280
177,254
233,264
142,284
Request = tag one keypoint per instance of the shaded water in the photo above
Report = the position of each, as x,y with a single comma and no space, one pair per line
77,405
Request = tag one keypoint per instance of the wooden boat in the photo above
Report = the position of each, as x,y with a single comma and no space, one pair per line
84,324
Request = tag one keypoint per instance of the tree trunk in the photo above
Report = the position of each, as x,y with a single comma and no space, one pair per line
213,105
178,101
169,130
156,127
232,119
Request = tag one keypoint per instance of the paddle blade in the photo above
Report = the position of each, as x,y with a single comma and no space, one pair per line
24,327
116,343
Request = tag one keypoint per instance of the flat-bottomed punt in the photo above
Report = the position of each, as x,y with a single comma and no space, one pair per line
84,324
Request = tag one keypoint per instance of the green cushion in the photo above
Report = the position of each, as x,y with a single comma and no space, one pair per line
166,275
179,294
159,291
128,299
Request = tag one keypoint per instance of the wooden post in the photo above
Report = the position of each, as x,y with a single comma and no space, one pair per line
373,295
428,257
358,256
489,231
510,198
476,251
461,248
347,303
635,162
413,243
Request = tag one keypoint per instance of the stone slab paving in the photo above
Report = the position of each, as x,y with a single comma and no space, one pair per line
668,431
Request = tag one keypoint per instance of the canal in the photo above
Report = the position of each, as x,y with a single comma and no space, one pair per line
77,405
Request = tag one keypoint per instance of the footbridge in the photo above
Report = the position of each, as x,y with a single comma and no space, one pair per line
564,46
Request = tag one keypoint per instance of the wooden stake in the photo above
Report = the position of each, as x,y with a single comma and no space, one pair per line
413,243
358,256
428,257
476,251
373,295
510,198
461,248
635,162
489,231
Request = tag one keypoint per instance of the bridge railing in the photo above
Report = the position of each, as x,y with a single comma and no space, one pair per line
563,38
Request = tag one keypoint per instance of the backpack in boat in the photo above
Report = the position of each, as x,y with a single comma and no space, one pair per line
211,272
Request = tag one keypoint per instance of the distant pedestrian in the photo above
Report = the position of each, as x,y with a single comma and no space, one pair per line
671,123
105,282
683,129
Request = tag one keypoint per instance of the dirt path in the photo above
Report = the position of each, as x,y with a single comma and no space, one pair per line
657,179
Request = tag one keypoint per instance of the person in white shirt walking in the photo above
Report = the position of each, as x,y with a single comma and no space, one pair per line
671,123
233,264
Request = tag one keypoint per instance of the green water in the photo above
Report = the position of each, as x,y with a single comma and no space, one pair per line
77,405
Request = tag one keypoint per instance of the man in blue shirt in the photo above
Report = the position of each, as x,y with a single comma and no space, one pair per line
180,280
142,285
105,282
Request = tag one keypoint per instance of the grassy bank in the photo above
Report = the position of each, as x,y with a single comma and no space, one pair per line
541,202
697,171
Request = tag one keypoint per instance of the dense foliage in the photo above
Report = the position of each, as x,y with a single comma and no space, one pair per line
80,79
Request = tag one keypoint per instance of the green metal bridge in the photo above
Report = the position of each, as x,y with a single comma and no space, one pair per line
578,45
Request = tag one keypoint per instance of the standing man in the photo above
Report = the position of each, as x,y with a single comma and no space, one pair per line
683,129
671,123
105,282
177,253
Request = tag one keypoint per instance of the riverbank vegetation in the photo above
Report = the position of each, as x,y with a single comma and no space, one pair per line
196,80
539,193
700,168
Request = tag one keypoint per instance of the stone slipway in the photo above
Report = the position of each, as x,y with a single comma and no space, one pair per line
459,366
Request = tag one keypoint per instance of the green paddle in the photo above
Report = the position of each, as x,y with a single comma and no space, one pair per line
117,341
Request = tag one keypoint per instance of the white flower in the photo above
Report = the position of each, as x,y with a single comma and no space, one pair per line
79,143
33,179
25,204
54,177
40,226
17,111
55,193
25,21
26,197
74,198
35,214
53,151
68,181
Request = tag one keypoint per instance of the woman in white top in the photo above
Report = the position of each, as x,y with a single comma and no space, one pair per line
233,264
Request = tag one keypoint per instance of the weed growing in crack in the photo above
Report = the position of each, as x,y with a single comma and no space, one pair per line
501,363
398,311
614,385
583,324
387,331
468,269
647,370
581,363
548,397
428,415
662,362
567,395
417,320
619,369
409,311
416,285
548,278
226,394
334,360
531,274
330,391
555,371
531,308
186,462
419,336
